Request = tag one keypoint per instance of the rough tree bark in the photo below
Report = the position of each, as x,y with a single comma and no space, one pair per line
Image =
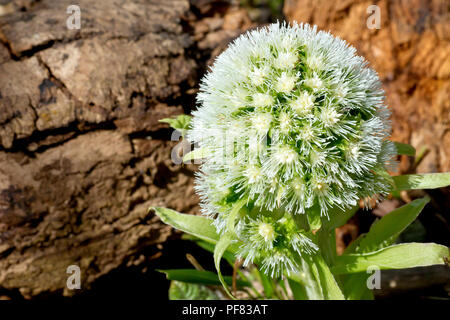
82,155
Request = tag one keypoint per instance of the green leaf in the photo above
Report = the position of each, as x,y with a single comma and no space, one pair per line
367,295
180,123
317,279
308,278
385,231
198,226
354,245
190,291
201,277
199,153
328,283
399,256
326,239
355,286
267,284
382,234
406,149
298,290
422,181
221,246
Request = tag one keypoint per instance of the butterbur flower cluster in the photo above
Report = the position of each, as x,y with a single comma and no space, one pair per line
290,118
273,240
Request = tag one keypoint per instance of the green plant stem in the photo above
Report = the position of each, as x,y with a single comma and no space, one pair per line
276,291
283,287
307,277
327,244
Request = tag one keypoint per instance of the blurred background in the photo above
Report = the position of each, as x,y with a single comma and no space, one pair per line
83,156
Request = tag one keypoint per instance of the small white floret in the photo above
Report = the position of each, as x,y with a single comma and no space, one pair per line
261,122
285,83
314,83
262,99
286,60
266,231
303,104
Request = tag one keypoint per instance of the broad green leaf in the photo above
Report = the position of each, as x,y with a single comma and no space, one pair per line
367,295
267,284
422,181
179,290
384,232
309,279
199,153
326,239
198,276
316,278
355,286
399,256
198,226
298,290
406,149
221,246
331,290
180,123
354,245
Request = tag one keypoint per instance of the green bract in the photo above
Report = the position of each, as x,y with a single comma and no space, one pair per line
291,119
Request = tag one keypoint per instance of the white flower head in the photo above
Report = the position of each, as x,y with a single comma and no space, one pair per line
341,91
262,99
253,173
320,186
285,154
239,97
353,151
315,127
314,82
258,75
315,62
298,185
307,133
286,60
304,103
266,231
285,83
330,117
261,122
285,122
